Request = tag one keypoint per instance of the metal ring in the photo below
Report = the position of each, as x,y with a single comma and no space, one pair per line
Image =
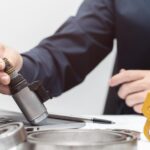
83,139
11,135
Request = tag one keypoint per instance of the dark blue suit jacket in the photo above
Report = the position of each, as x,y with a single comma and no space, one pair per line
64,59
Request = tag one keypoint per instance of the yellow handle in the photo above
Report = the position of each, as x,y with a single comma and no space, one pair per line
146,112
147,129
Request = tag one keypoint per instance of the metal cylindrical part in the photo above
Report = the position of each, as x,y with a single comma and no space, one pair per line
82,139
11,135
30,105
27,100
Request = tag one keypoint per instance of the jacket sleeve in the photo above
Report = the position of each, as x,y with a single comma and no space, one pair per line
64,59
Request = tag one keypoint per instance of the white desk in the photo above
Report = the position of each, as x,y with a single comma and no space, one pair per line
131,122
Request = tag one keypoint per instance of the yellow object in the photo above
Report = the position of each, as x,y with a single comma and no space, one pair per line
146,112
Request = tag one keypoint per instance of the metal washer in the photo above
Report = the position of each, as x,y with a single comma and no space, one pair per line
11,135
82,139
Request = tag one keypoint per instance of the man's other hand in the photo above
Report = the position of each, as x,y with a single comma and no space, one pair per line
134,86
15,59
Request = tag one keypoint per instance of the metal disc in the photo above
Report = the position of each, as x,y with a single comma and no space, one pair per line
11,134
82,139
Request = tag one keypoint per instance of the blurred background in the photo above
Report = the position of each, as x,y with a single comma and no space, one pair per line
24,23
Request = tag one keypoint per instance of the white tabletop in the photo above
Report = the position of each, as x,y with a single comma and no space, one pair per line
131,122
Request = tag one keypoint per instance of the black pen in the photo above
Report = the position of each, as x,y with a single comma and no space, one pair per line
81,119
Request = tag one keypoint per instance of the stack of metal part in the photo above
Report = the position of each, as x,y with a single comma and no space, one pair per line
17,136
49,133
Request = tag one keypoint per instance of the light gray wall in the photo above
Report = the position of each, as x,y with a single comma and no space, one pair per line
24,23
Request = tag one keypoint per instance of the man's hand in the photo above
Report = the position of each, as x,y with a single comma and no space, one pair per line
15,59
135,84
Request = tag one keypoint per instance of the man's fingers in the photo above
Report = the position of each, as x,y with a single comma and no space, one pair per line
126,76
4,78
2,46
138,108
122,70
2,65
133,87
136,98
4,89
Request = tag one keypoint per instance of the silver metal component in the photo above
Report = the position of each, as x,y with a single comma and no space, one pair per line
55,136
40,118
82,139
28,101
30,105
47,124
30,146
11,135
132,133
